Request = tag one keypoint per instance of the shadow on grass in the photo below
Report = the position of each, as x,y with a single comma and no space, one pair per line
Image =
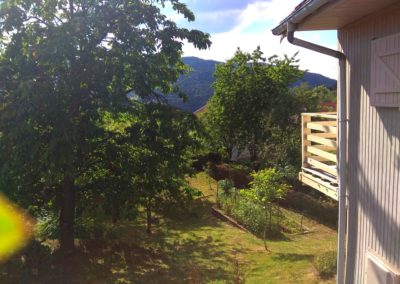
173,254
292,257
195,213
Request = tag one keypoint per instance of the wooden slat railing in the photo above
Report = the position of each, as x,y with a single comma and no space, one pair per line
319,148
319,140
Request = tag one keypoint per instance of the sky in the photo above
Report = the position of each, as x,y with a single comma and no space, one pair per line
247,24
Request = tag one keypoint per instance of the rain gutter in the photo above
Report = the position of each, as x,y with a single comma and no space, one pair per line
298,16
342,120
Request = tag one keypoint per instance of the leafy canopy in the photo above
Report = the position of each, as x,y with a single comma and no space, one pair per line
251,93
65,64
62,63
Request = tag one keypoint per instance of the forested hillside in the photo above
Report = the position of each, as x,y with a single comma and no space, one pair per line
197,84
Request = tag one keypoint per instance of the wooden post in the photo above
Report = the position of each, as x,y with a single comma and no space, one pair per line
304,142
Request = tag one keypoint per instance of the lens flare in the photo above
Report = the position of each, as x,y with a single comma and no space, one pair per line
15,228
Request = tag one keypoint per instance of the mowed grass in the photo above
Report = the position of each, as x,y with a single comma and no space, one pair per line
188,245
290,260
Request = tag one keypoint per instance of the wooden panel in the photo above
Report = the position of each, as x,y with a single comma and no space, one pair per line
322,126
321,140
322,153
325,135
318,184
325,148
319,149
322,166
304,132
385,71
329,115
318,158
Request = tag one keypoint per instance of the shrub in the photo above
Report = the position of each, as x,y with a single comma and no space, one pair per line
227,186
47,226
325,263
87,226
249,213
227,203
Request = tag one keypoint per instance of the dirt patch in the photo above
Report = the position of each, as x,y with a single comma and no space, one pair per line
223,171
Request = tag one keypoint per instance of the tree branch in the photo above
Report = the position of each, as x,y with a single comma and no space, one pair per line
39,20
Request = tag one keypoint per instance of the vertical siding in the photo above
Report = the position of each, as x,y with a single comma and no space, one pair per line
374,151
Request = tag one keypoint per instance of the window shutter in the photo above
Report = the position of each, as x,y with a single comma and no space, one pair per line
385,71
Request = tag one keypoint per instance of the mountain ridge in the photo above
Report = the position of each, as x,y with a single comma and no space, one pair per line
197,85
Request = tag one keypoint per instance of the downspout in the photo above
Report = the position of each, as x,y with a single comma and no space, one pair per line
342,142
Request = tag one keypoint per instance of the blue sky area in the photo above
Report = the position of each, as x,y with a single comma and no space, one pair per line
247,24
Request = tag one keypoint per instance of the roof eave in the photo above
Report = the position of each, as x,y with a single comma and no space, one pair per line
298,16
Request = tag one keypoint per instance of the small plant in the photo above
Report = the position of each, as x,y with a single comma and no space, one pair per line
325,263
47,226
238,275
227,186
267,187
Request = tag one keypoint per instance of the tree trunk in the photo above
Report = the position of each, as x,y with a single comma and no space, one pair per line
270,218
229,150
67,217
278,213
116,213
148,215
253,152
217,194
265,229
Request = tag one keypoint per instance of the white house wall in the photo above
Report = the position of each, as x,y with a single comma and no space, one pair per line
374,152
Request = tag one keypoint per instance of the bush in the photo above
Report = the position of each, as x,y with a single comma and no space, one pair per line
250,214
226,203
325,263
227,186
87,226
47,226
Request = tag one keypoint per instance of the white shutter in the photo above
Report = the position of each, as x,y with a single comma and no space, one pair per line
385,71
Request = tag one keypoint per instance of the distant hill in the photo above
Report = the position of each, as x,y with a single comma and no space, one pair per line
197,84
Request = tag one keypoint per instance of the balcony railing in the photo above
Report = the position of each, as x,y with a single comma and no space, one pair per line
319,152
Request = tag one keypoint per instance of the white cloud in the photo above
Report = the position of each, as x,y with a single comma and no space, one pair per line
268,14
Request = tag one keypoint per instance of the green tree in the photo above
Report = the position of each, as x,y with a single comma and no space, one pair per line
282,148
165,140
61,63
251,94
267,187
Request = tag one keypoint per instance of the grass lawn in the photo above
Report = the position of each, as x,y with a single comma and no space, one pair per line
189,247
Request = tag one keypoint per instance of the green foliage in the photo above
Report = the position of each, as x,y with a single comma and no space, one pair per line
325,94
326,264
66,68
47,226
267,186
249,213
90,225
252,215
282,148
227,186
251,93
255,207
165,140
